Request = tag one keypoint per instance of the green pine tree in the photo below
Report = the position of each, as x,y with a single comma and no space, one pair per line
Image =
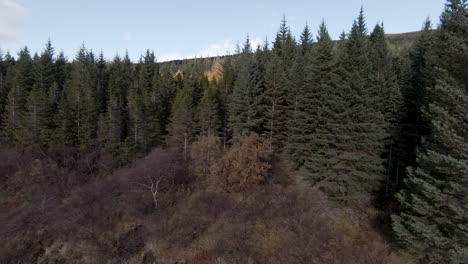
21,81
208,112
276,102
432,222
181,125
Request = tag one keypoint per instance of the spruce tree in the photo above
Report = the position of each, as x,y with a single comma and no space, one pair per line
313,76
383,79
299,79
208,112
181,125
276,102
137,117
35,122
353,159
432,222
240,107
285,44
102,83
80,101
44,69
21,85
165,88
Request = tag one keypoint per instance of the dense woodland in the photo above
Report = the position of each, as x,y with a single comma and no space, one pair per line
266,155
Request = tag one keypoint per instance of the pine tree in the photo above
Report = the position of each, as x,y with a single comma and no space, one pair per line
62,70
44,68
35,122
80,101
181,125
285,44
240,107
276,102
208,112
306,40
432,221
352,159
313,78
165,88
383,79
143,105
388,97
414,83
102,83
137,117
21,85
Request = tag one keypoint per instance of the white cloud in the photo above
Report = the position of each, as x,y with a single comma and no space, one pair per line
11,19
215,49
127,36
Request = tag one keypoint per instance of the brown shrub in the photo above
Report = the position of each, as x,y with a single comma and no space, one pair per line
243,165
204,153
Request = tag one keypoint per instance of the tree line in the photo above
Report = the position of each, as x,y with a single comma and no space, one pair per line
358,117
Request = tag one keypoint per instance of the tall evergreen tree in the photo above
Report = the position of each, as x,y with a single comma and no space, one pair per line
313,76
80,101
166,87
356,166
433,220
208,112
241,105
35,122
21,85
285,44
276,102
181,125
44,69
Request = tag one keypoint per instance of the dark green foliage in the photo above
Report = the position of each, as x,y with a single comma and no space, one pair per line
209,120
181,125
166,87
276,102
242,103
383,79
346,159
285,44
44,69
299,100
34,124
433,221
80,99
20,81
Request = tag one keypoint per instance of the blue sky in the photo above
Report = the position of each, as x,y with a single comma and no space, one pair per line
187,28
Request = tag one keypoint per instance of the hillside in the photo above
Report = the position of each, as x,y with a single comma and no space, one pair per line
308,150
399,42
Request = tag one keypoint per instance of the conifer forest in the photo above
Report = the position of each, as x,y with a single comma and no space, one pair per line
305,149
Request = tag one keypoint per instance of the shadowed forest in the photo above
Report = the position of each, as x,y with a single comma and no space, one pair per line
302,150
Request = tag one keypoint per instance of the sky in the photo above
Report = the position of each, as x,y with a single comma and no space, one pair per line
177,29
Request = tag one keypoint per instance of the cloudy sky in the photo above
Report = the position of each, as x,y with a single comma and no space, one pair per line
187,28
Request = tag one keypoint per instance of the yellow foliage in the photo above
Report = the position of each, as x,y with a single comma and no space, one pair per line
216,72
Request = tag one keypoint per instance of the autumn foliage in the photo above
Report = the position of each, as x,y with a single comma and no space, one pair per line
243,165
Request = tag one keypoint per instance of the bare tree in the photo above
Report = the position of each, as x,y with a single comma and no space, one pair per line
153,186
156,171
